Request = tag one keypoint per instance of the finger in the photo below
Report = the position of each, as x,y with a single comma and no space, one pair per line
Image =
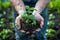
38,29
22,31
41,24
20,17
27,32
17,22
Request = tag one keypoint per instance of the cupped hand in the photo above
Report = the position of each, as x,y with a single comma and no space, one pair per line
40,19
17,23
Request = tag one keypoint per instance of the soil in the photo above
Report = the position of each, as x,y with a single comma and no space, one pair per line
29,27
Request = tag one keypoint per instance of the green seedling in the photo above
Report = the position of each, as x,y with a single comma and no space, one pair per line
28,17
29,23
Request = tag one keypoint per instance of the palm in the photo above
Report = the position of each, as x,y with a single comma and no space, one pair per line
40,19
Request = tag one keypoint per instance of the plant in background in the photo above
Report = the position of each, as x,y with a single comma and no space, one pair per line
50,33
4,4
5,33
51,19
55,4
0,5
6,23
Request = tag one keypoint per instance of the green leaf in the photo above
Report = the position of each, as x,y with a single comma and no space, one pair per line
4,36
51,4
24,15
31,9
34,22
0,15
50,32
29,12
6,4
32,17
27,21
27,7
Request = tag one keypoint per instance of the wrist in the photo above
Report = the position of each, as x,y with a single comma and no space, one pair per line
35,12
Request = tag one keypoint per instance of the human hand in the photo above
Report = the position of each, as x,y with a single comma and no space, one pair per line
40,19
17,23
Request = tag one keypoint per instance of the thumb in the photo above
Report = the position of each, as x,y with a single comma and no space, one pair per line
17,23
41,24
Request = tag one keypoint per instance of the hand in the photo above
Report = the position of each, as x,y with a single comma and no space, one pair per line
40,19
17,23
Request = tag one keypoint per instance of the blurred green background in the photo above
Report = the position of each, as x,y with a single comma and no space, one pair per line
6,22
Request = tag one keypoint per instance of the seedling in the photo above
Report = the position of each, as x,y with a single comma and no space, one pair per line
28,17
29,23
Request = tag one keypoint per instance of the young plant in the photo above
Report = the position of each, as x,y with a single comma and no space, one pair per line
29,24
28,17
